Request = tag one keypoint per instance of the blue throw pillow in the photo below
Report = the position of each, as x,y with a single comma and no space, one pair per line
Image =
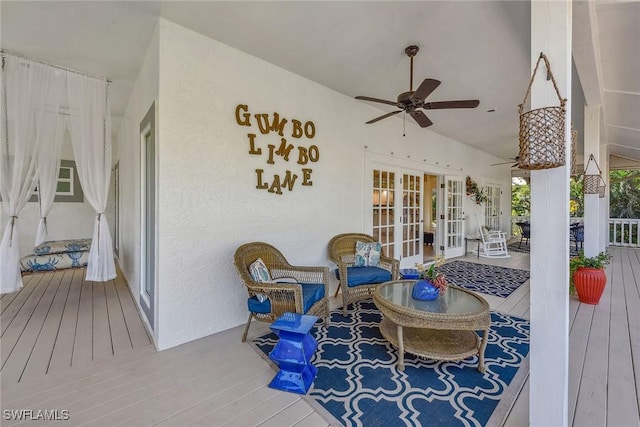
368,254
259,271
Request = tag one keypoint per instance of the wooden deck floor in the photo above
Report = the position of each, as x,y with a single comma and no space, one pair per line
218,380
59,321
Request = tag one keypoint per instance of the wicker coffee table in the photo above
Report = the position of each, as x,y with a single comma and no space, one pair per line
443,329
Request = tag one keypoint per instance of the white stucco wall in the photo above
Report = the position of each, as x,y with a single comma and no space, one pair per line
144,93
207,196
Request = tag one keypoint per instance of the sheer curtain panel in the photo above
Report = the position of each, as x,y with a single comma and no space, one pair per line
48,156
90,126
25,89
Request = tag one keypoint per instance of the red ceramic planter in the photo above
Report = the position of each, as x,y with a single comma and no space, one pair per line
590,283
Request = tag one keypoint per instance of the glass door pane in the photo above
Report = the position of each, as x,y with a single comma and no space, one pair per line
453,217
492,208
411,220
383,209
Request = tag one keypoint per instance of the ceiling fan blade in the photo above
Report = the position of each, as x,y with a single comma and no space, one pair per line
366,98
470,103
426,87
513,159
421,118
384,116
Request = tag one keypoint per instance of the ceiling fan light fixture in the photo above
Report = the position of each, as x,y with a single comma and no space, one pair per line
412,101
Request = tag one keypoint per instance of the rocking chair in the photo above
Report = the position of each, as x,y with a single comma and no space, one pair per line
494,242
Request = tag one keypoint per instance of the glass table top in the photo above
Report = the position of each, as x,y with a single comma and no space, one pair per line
453,301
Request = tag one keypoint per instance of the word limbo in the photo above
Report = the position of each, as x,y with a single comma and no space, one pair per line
285,151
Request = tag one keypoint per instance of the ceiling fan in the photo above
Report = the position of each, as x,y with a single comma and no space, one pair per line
411,102
513,159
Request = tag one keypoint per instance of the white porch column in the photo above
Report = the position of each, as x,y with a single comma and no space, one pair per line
549,361
604,203
592,228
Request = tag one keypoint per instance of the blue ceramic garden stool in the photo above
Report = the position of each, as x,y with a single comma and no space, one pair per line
409,273
293,353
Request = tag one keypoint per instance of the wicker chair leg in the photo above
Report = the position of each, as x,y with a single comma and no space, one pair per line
337,290
345,302
246,329
327,315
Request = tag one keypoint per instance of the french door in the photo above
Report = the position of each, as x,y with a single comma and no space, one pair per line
384,212
492,207
452,218
412,219
397,213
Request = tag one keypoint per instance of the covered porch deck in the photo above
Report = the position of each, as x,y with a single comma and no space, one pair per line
218,380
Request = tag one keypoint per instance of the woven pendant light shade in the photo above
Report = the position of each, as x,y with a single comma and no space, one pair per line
601,188
574,148
592,182
542,131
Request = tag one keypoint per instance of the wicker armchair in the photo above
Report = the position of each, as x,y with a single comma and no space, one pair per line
342,252
282,297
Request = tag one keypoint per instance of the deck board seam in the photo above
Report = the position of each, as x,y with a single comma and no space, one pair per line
35,341
24,327
64,307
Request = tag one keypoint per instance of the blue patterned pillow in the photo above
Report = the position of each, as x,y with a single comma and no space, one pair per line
368,254
259,271
374,254
62,246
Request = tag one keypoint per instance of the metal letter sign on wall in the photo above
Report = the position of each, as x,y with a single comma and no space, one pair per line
285,151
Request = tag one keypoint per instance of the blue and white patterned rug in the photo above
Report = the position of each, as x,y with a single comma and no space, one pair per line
358,383
488,279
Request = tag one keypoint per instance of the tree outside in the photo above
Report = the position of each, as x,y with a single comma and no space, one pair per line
624,194
624,199
576,198
520,197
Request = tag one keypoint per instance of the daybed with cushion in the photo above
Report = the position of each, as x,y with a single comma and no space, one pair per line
276,287
361,266
57,255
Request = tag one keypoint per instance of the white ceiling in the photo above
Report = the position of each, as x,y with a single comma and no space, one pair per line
478,49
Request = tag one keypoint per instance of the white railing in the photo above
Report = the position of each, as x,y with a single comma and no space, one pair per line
515,230
624,232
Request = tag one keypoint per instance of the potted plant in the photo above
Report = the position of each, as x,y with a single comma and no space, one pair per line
432,283
587,277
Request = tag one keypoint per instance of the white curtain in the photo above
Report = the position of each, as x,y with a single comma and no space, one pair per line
90,126
48,157
25,90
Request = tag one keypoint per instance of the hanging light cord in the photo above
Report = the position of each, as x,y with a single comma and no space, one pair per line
404,120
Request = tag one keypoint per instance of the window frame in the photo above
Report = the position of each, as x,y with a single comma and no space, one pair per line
76,194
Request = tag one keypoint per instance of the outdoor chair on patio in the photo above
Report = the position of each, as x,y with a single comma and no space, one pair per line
276,287
525,232
361,266
494,242
577,235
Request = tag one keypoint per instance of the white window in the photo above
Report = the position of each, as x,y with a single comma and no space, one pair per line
68,188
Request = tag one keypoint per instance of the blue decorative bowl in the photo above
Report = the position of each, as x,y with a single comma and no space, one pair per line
424,290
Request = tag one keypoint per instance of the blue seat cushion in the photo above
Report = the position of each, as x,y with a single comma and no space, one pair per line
311,293
365,275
